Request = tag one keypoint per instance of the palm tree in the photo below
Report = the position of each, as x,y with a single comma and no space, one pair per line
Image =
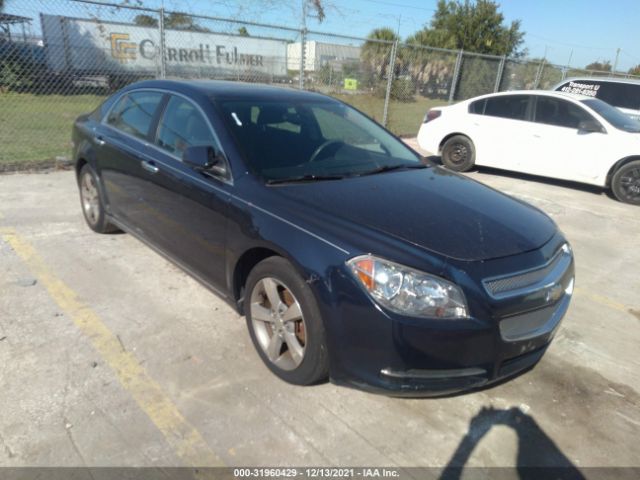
377,48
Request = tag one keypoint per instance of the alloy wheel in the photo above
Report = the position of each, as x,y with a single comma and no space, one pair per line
630,183
90,198
278,323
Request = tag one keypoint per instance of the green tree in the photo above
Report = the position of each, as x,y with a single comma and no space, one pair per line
183,21
145,20
473,26
174,20
376,50
243,32
604,66
635,70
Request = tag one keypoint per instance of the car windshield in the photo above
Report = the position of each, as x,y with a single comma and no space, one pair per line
614,116
311,141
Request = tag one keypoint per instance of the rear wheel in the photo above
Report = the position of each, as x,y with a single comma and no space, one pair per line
284,323
458,153
92,203
625,183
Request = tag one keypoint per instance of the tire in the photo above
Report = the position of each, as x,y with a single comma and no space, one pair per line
625,184
298,353
458,153
92,201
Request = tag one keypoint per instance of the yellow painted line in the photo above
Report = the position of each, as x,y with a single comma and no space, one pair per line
601,299
182,436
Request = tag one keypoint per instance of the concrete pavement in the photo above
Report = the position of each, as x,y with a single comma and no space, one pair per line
111,356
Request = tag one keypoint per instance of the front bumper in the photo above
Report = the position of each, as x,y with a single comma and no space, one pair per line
378,351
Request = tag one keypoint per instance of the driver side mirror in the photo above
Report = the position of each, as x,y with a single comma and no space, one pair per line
201,157
590,126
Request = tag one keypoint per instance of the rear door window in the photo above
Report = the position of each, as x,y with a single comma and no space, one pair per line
133,114
560,113
508,106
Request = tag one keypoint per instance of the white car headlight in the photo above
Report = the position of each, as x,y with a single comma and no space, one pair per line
407,291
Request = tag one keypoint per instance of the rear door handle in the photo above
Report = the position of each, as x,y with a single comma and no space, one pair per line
149,166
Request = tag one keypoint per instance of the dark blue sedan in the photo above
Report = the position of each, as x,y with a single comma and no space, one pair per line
350,256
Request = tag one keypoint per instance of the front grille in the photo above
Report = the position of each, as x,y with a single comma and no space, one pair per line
535,323
534,279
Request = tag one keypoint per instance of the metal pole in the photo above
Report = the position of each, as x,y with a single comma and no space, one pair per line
456,74
303,55
303,44
392,63
496,88
163,65
615,63
539,75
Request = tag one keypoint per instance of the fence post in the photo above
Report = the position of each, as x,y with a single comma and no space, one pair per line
303,54
496,88
163,65
538,75
391,71
456,74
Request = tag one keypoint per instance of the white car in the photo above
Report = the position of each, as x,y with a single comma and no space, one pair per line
551,134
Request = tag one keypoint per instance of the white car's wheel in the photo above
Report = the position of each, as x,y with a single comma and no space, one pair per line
625,183
459,153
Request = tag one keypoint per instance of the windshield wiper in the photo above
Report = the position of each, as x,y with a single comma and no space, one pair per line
390,168
304,178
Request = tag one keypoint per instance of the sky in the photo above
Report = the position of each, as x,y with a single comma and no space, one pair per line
566,31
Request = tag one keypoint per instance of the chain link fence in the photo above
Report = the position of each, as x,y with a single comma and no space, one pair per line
61,58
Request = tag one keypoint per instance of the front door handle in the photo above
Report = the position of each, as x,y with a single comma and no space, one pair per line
150,166
99,140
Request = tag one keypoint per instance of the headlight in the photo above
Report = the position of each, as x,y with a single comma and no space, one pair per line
407,291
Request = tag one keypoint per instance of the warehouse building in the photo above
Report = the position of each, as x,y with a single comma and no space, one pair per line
318,54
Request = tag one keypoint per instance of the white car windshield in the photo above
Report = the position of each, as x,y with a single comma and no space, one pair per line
614,116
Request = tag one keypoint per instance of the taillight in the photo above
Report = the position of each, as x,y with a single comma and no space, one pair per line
431,115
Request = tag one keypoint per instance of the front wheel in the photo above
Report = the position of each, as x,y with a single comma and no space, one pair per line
625,183
284,323
91,200
458,153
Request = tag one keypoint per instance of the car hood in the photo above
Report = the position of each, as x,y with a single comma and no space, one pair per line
431,208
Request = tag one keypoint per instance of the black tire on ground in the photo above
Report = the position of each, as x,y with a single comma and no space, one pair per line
625,184
458,153
92,201
308,331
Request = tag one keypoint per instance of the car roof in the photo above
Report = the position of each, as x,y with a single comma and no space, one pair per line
231,90
632,81
546,93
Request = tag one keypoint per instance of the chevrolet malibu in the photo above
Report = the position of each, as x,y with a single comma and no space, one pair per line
350,257
551,134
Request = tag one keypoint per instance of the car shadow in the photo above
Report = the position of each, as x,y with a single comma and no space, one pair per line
436,160
538,456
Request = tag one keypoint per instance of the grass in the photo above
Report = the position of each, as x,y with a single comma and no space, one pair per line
35,129
404,117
